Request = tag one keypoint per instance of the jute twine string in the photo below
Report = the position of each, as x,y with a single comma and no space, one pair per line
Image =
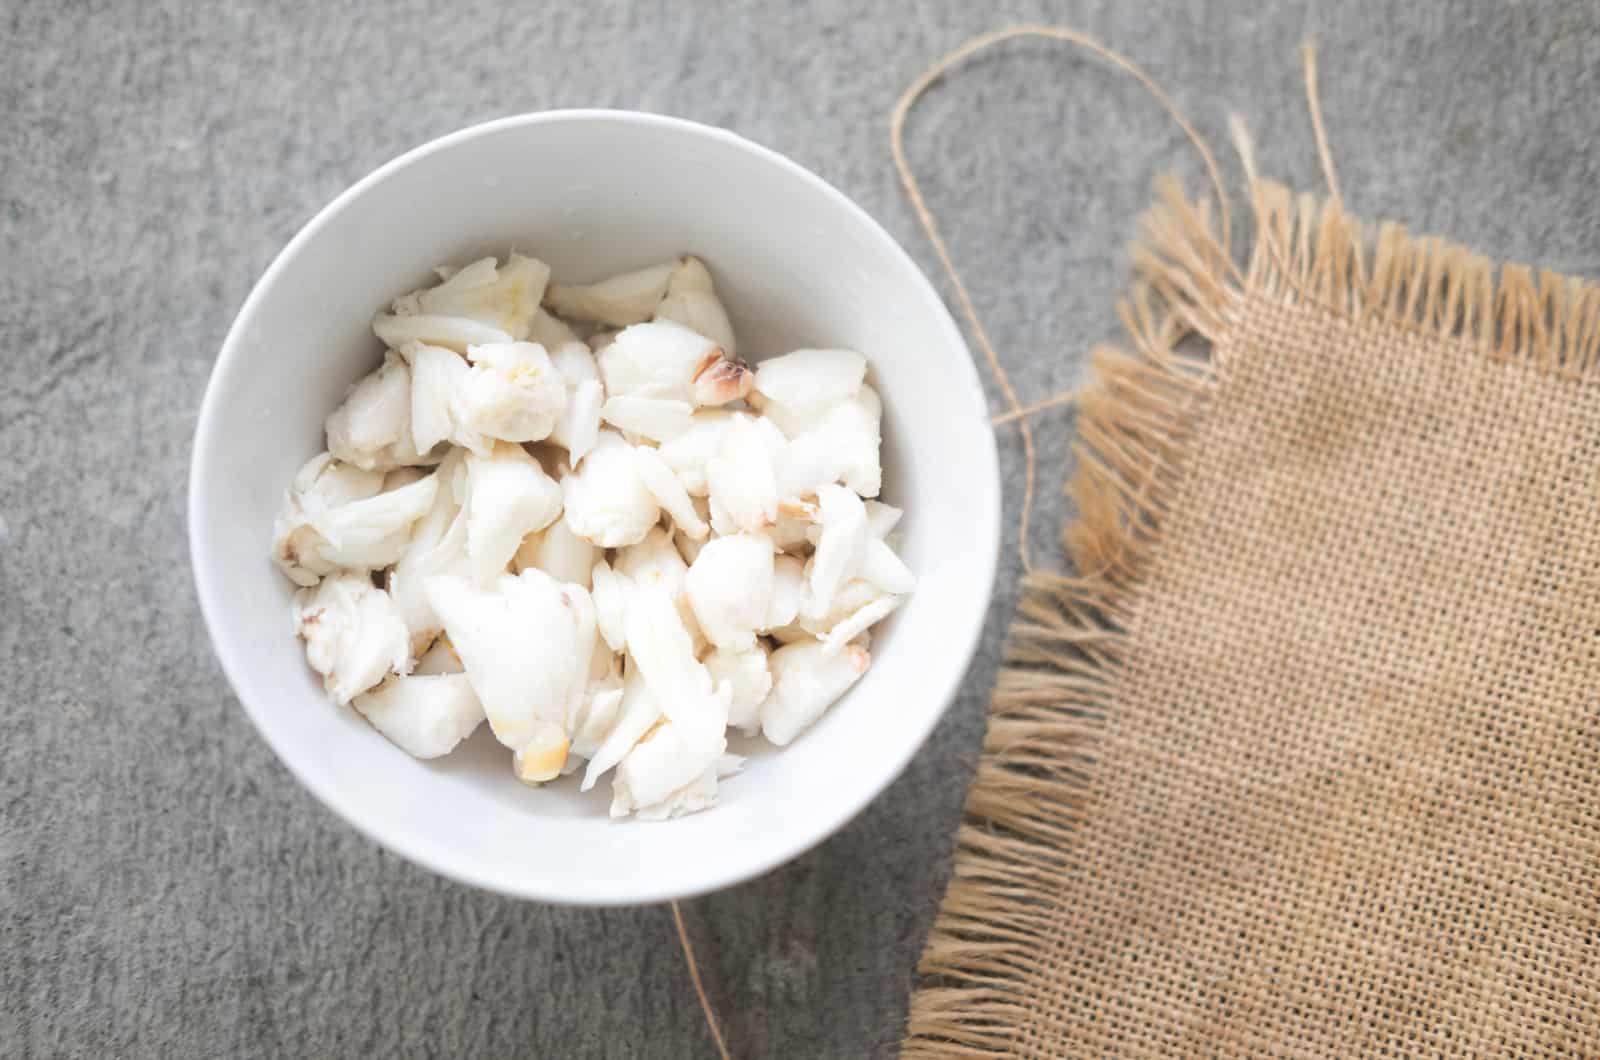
1019,413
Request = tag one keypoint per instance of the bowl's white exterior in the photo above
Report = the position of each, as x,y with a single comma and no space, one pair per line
594,192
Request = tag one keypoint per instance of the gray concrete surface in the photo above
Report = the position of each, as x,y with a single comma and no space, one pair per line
165,887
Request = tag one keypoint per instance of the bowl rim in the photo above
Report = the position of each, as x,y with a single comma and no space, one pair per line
533,888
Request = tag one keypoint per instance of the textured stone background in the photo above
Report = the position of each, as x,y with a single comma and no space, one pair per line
165,888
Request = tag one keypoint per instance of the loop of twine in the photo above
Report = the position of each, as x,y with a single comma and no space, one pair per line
1018,412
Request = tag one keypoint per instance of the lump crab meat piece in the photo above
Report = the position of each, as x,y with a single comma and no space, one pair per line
730,588
353,633
551,332
844,440
438,375
788,590
658,419
627,298
610,592
881,567
606,500
661,647
806,382
424,715
512,393
662,359
371,429
479,303
669,493
525,644
320,484
840,546
806,681
665,775
578,425
742,482
509,497
558,552
857,623
691,300
438,545
637,711
688,453
746,673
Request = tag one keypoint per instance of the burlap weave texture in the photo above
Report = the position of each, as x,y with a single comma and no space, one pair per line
1306,761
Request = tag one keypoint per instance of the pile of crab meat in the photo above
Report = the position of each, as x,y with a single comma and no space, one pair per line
612,547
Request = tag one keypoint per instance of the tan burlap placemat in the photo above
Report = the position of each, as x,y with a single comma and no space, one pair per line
1305,761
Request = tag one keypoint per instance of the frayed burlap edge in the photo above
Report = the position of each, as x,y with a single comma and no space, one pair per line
1063,666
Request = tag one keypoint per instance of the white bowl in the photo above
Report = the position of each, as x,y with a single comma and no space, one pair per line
595,192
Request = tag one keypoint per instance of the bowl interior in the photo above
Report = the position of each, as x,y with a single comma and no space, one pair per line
593,193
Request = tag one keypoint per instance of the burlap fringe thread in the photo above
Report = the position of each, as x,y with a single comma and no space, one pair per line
1062,669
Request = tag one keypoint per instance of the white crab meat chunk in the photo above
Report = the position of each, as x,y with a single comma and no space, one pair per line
372,428
560,553
578,425
438,545
512,393
319,531
509,498
627,298
806,680
669,493
842,442
730,588
858,622
742,478
610,591
653,562
424,715
606,500
688,453
807,382
788,590
658,419
881,567
543,756
662,359
551,332
691,300
480,303
840,546
636,712
353,632
438,376
664,776
660,645
746,673
441,658
525,644
322,483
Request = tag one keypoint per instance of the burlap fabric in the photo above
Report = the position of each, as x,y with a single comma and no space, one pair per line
1305,760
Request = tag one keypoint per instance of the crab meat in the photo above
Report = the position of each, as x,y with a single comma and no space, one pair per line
741,479
606,500
558,552
637,711
372,428
806,681
611,604
512,393
746,673
578,425
669,493
510,497
628,298
439,659
437,376
425,716
666,360
525,643
658,419
476,304
881,567
840,546
662,648
551,332
438,545
688,453
691,300
788,589
543,756
665,775
353,632
806,382
730,588
322,483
